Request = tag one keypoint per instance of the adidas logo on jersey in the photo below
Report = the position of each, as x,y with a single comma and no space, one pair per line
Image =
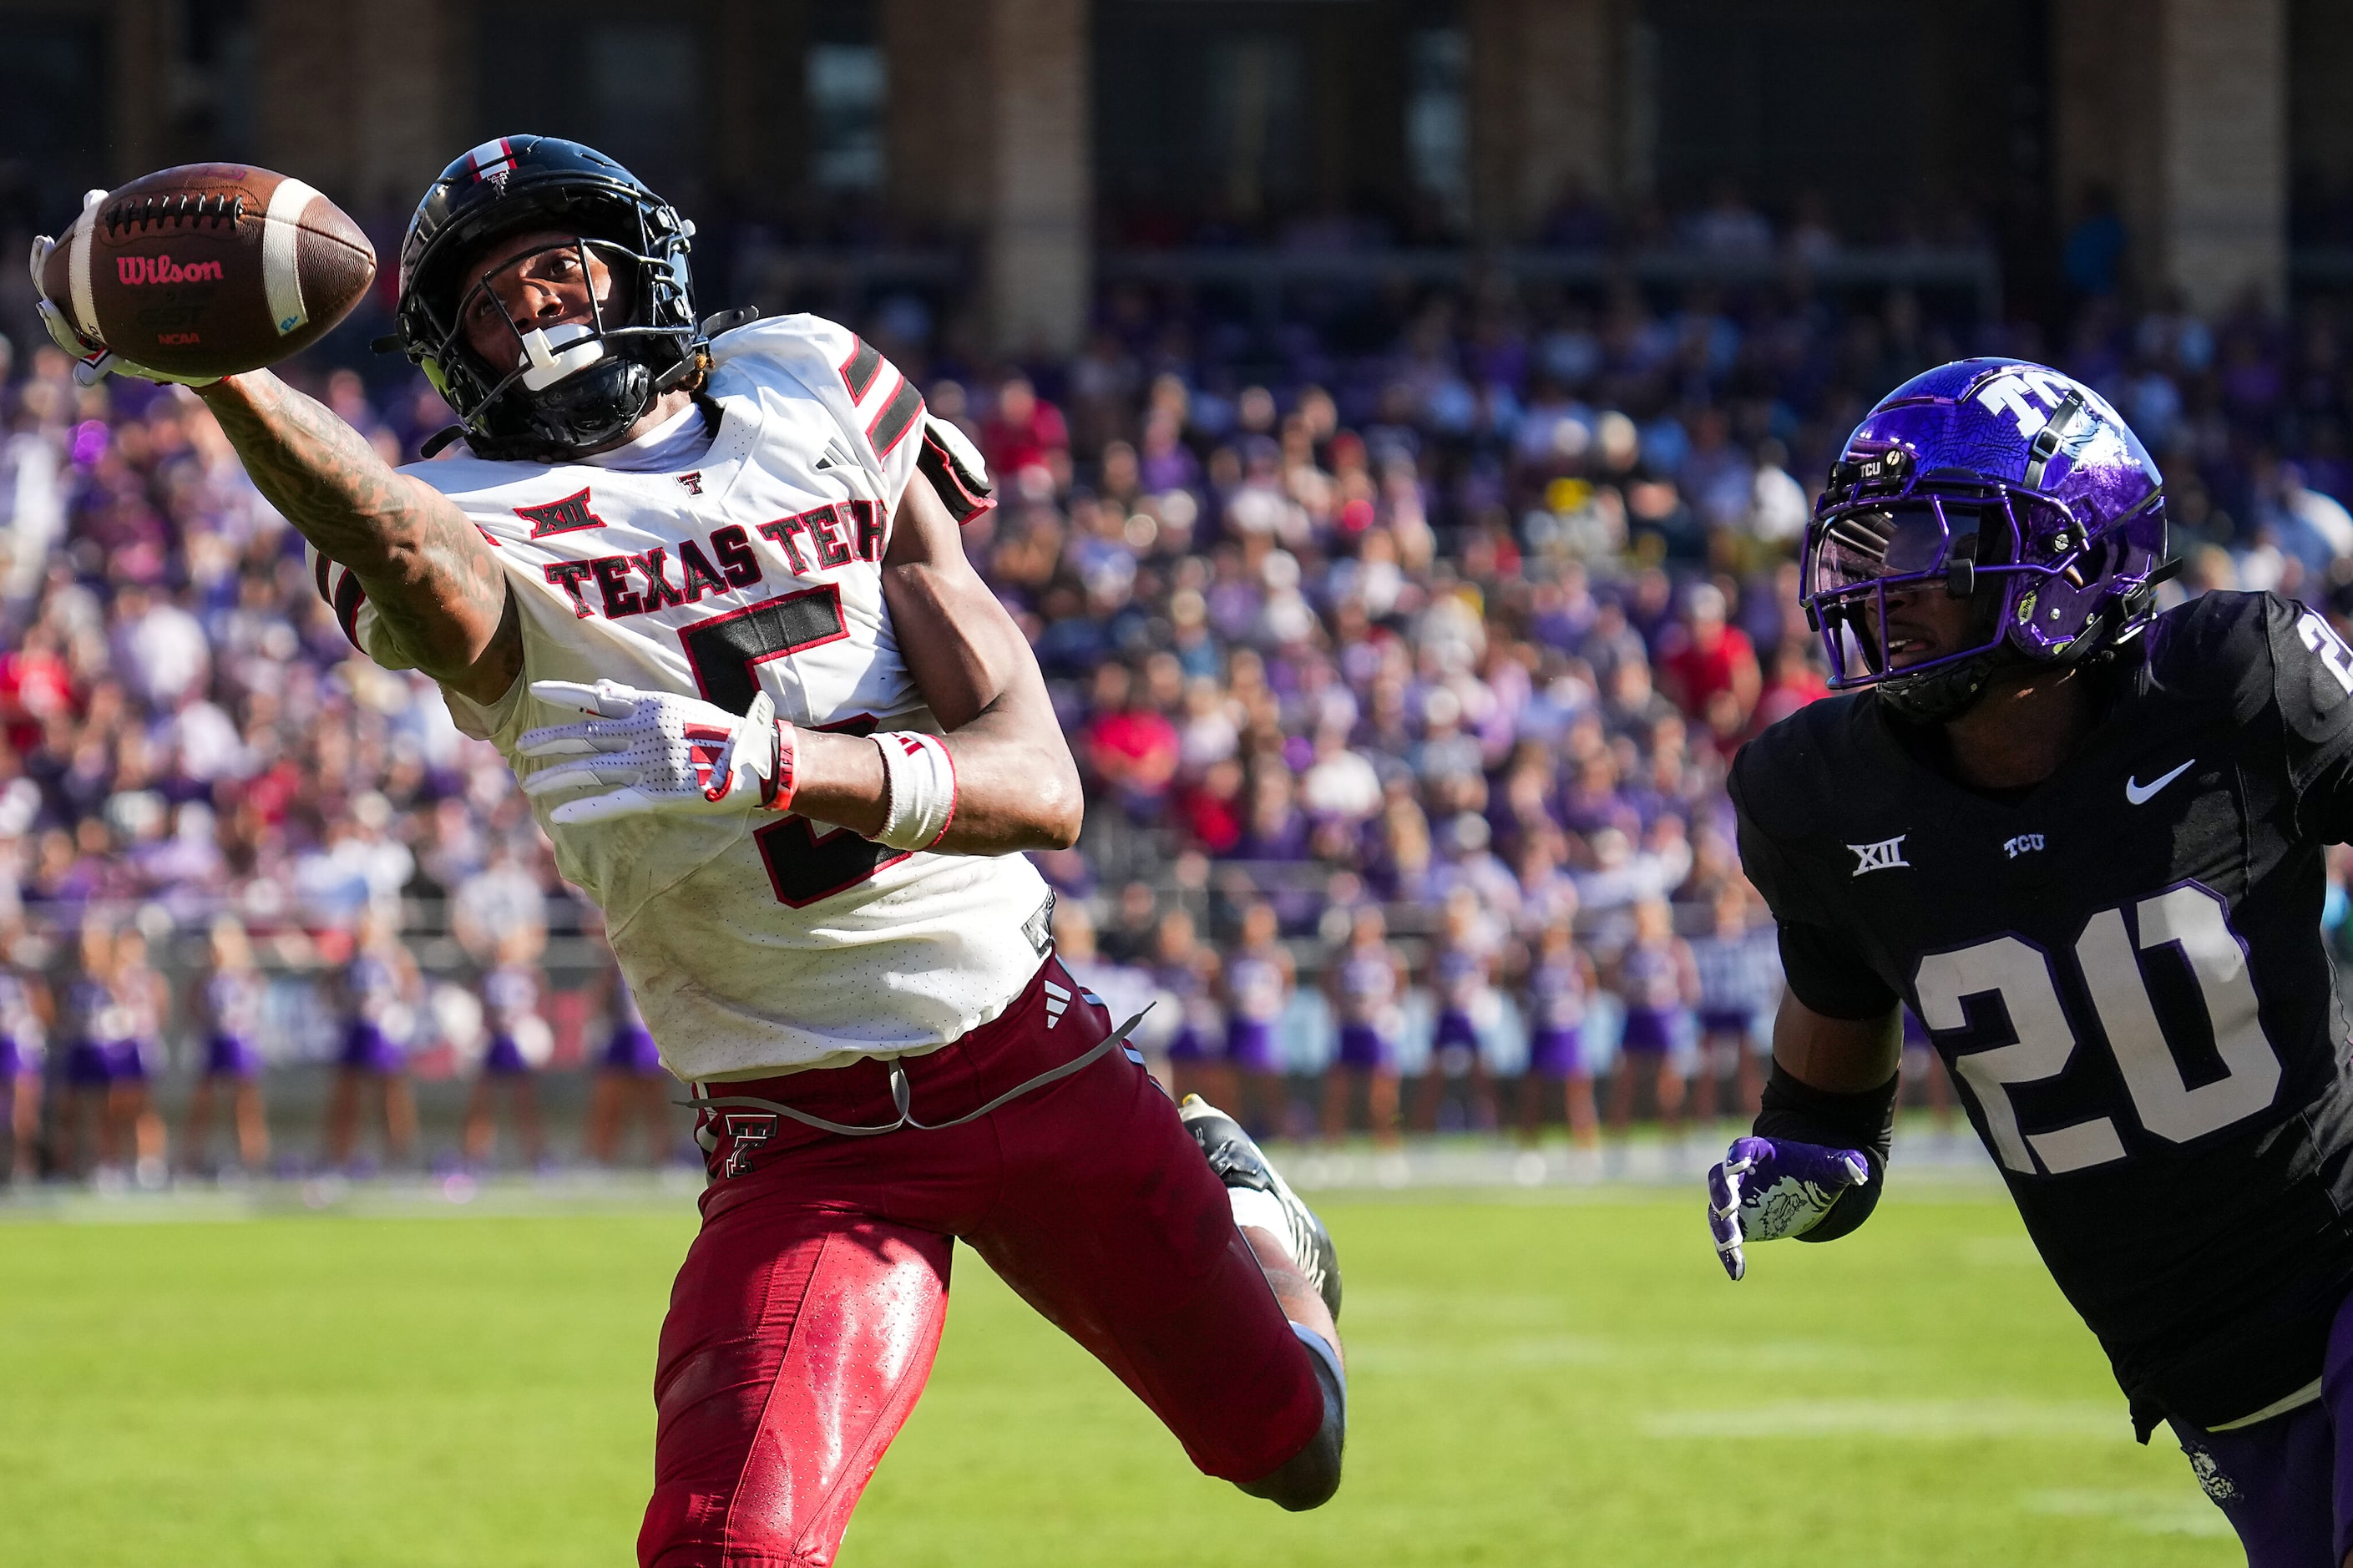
835,456
1058,1002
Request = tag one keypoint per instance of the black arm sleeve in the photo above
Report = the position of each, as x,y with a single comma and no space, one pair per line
1804,1114
1830,977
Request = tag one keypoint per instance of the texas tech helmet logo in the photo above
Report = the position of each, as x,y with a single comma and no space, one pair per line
567,516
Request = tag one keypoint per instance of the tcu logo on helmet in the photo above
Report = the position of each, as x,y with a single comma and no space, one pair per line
2029,393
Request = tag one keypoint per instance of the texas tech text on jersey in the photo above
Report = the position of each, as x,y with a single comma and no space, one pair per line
750,946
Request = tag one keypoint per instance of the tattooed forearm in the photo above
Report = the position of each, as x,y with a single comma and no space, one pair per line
426,569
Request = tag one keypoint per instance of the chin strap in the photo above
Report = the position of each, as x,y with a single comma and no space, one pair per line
2141,601
440,441
1941,694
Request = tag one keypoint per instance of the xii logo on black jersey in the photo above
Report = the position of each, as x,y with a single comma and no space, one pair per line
1884,856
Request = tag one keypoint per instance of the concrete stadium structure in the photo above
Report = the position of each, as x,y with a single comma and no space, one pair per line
1016,128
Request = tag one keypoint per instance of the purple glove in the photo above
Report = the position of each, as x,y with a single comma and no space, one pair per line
1765,1189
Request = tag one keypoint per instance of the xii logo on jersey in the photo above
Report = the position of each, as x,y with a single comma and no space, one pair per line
567,516
1884,856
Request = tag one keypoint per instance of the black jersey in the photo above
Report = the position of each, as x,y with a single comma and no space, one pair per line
2123,967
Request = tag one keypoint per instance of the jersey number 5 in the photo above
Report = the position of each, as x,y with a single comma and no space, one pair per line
2188,917
804,864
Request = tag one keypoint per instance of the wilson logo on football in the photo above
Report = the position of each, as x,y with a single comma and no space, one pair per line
135,272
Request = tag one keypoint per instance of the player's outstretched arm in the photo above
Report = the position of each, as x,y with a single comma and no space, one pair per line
427,571
1016,785
1813,1168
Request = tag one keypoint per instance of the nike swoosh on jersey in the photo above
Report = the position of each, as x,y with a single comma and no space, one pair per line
2139,793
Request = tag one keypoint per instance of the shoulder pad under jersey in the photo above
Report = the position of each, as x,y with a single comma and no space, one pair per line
2215,648
866,391
1781,779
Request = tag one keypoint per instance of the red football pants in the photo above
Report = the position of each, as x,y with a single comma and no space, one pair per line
805,1318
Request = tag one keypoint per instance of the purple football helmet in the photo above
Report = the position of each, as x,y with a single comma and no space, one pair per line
2000,482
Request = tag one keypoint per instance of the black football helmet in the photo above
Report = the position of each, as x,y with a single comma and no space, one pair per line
574,388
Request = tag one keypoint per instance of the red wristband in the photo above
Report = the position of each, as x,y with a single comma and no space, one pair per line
778,796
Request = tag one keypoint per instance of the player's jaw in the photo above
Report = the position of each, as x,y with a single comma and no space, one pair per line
1923,623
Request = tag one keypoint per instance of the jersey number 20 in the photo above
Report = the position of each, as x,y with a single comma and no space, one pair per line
803,865
2187,917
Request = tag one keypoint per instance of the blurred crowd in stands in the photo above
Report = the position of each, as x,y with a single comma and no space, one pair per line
1403,644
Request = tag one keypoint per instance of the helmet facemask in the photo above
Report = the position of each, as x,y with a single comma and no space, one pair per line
579,386
1869,560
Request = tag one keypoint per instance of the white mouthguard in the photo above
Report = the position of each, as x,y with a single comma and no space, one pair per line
550,360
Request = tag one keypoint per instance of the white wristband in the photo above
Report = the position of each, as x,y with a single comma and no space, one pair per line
923,789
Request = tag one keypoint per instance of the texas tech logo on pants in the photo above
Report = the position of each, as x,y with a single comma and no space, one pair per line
746,1130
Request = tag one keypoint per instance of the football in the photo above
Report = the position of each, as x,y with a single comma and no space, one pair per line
209,269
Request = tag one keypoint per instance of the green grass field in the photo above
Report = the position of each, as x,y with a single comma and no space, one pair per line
1535,1381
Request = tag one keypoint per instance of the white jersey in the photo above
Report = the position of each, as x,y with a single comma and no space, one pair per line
754,945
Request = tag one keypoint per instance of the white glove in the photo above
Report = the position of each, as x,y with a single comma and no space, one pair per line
93,361
667,752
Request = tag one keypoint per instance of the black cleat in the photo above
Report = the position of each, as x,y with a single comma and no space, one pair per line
1238,1162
